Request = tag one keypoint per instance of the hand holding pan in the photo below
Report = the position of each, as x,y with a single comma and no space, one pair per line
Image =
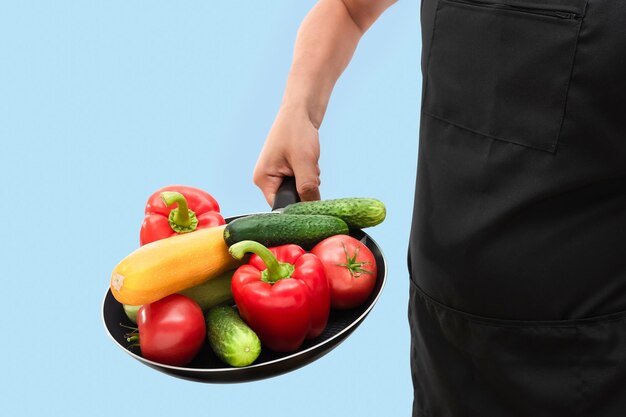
206,367
286,194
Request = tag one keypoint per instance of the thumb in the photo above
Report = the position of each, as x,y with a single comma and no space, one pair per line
307,180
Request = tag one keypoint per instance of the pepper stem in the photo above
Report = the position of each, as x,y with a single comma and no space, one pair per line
275,270
182,220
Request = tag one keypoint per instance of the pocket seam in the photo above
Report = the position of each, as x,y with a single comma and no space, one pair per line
511,141
461,4
498,322
430,50
569,84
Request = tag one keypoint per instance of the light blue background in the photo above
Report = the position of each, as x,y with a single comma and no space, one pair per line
103,102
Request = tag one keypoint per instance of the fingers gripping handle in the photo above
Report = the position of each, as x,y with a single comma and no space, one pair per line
286,194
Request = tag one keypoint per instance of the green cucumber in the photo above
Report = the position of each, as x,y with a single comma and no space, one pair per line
208,294
231,339
272,229
358,213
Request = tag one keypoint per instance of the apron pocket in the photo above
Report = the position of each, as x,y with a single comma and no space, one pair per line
502,68
472,366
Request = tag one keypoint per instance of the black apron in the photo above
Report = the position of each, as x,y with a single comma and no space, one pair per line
518,244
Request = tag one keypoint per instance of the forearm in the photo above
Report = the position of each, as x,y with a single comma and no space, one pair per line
324,46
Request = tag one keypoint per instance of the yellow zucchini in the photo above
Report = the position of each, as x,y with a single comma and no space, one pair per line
170,265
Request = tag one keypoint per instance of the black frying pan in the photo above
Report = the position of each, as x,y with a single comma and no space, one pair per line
206,367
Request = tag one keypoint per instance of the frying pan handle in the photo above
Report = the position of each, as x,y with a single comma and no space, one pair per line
286,194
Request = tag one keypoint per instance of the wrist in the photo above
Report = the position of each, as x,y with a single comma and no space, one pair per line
302,105
302,109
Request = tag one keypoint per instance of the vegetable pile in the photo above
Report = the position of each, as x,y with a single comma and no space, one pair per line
265,281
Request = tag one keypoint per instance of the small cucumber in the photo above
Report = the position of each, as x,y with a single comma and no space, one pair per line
131,312
273,229
230,337
212,292
358,213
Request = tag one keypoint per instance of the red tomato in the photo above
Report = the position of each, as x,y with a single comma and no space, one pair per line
171,330
350,268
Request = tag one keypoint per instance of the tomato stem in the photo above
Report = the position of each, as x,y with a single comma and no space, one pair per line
355,268
134,338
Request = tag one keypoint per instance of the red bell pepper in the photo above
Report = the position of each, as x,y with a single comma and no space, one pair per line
282,293
178,209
